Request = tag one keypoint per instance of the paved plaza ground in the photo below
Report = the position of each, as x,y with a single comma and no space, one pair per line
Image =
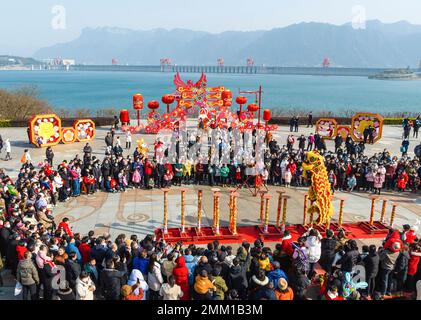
141,211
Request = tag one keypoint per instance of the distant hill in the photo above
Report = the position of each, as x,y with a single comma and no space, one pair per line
304,44
6,60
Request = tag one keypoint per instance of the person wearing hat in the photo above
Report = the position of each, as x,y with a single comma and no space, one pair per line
203,287
131,293
276,274
261,288
65,292
283,291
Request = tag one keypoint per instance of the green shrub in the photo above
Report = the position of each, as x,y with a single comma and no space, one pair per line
4,123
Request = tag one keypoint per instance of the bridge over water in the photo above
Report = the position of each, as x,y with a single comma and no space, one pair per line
315,71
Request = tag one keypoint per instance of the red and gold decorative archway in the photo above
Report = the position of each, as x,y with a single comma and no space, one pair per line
84,129
327,128
47,127
362,120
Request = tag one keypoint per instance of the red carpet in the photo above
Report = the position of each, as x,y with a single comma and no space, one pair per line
361,230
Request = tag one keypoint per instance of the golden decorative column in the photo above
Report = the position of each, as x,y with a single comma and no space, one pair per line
199,208
278,214
392,217
305,209
373,205
183,210
262,205
284,211
234,213
165,210
215,191
216,222
383,214
341,212
266,198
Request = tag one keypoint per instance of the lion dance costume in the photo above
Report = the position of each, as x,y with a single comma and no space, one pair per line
319,193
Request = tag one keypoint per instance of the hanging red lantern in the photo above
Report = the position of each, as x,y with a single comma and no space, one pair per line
241,100
124,116
138,101
153,104
266,115
252,107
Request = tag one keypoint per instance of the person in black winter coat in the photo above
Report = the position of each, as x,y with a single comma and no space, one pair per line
203,265
12,255
327,256
4,238
371,264
401,268
350,258
49,154
99,251
237,277
73,269
111,281
300,282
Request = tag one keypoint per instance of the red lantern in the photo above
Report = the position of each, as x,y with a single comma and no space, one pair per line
266,115
168,99
252,107
241,100
153,104
138,101
124,116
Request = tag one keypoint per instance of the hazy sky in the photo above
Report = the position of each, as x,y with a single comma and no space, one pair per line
27,25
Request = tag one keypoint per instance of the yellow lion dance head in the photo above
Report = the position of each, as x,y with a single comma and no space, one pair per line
319,192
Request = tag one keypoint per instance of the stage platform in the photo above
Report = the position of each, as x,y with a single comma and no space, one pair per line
359,230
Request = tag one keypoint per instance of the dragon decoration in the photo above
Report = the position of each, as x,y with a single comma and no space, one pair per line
319,192
212,104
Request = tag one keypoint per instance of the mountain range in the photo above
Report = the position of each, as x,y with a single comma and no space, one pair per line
304,44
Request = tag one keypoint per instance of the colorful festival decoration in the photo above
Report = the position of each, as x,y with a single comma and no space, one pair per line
212,104
319,192
45,127
68,135
343,131
362,120
85,130
124,116
327,128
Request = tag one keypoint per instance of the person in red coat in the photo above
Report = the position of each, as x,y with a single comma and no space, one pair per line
402,181
64,224
21,249
181,275
85,250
